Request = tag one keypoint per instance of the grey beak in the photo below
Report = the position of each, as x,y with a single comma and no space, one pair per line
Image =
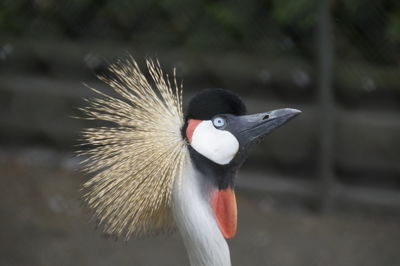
251,127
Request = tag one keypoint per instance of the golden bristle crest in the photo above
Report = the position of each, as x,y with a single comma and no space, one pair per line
135,162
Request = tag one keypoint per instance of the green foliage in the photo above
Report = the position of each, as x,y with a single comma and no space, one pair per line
301,14
393,28
9,20
203,25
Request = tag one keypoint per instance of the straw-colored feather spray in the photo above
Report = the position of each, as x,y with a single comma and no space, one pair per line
134,162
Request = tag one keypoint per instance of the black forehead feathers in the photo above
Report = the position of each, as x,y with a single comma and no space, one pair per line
210,102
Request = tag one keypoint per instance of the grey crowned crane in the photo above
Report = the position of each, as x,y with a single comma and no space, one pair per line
157,169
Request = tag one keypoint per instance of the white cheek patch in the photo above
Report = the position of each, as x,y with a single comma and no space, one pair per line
220,146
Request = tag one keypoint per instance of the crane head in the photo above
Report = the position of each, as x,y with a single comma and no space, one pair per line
219,134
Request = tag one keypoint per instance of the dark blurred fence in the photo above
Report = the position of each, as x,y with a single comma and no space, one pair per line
338,61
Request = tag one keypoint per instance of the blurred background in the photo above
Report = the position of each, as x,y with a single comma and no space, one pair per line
322,190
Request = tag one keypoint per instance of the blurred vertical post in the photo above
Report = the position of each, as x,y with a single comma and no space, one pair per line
326,103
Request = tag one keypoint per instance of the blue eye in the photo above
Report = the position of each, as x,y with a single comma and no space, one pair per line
219,122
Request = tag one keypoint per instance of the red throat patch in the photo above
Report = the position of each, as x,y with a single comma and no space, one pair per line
192,124
223,203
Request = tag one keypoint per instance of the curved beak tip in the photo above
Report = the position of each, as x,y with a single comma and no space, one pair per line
286,113
296,111
290,111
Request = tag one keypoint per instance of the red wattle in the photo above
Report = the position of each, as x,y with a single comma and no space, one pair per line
192,124
223,203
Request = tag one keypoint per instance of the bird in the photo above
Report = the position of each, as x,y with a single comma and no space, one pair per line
155,168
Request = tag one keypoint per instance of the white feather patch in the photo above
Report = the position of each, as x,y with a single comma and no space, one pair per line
220,146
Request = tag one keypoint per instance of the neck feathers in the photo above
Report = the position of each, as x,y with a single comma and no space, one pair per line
195,220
